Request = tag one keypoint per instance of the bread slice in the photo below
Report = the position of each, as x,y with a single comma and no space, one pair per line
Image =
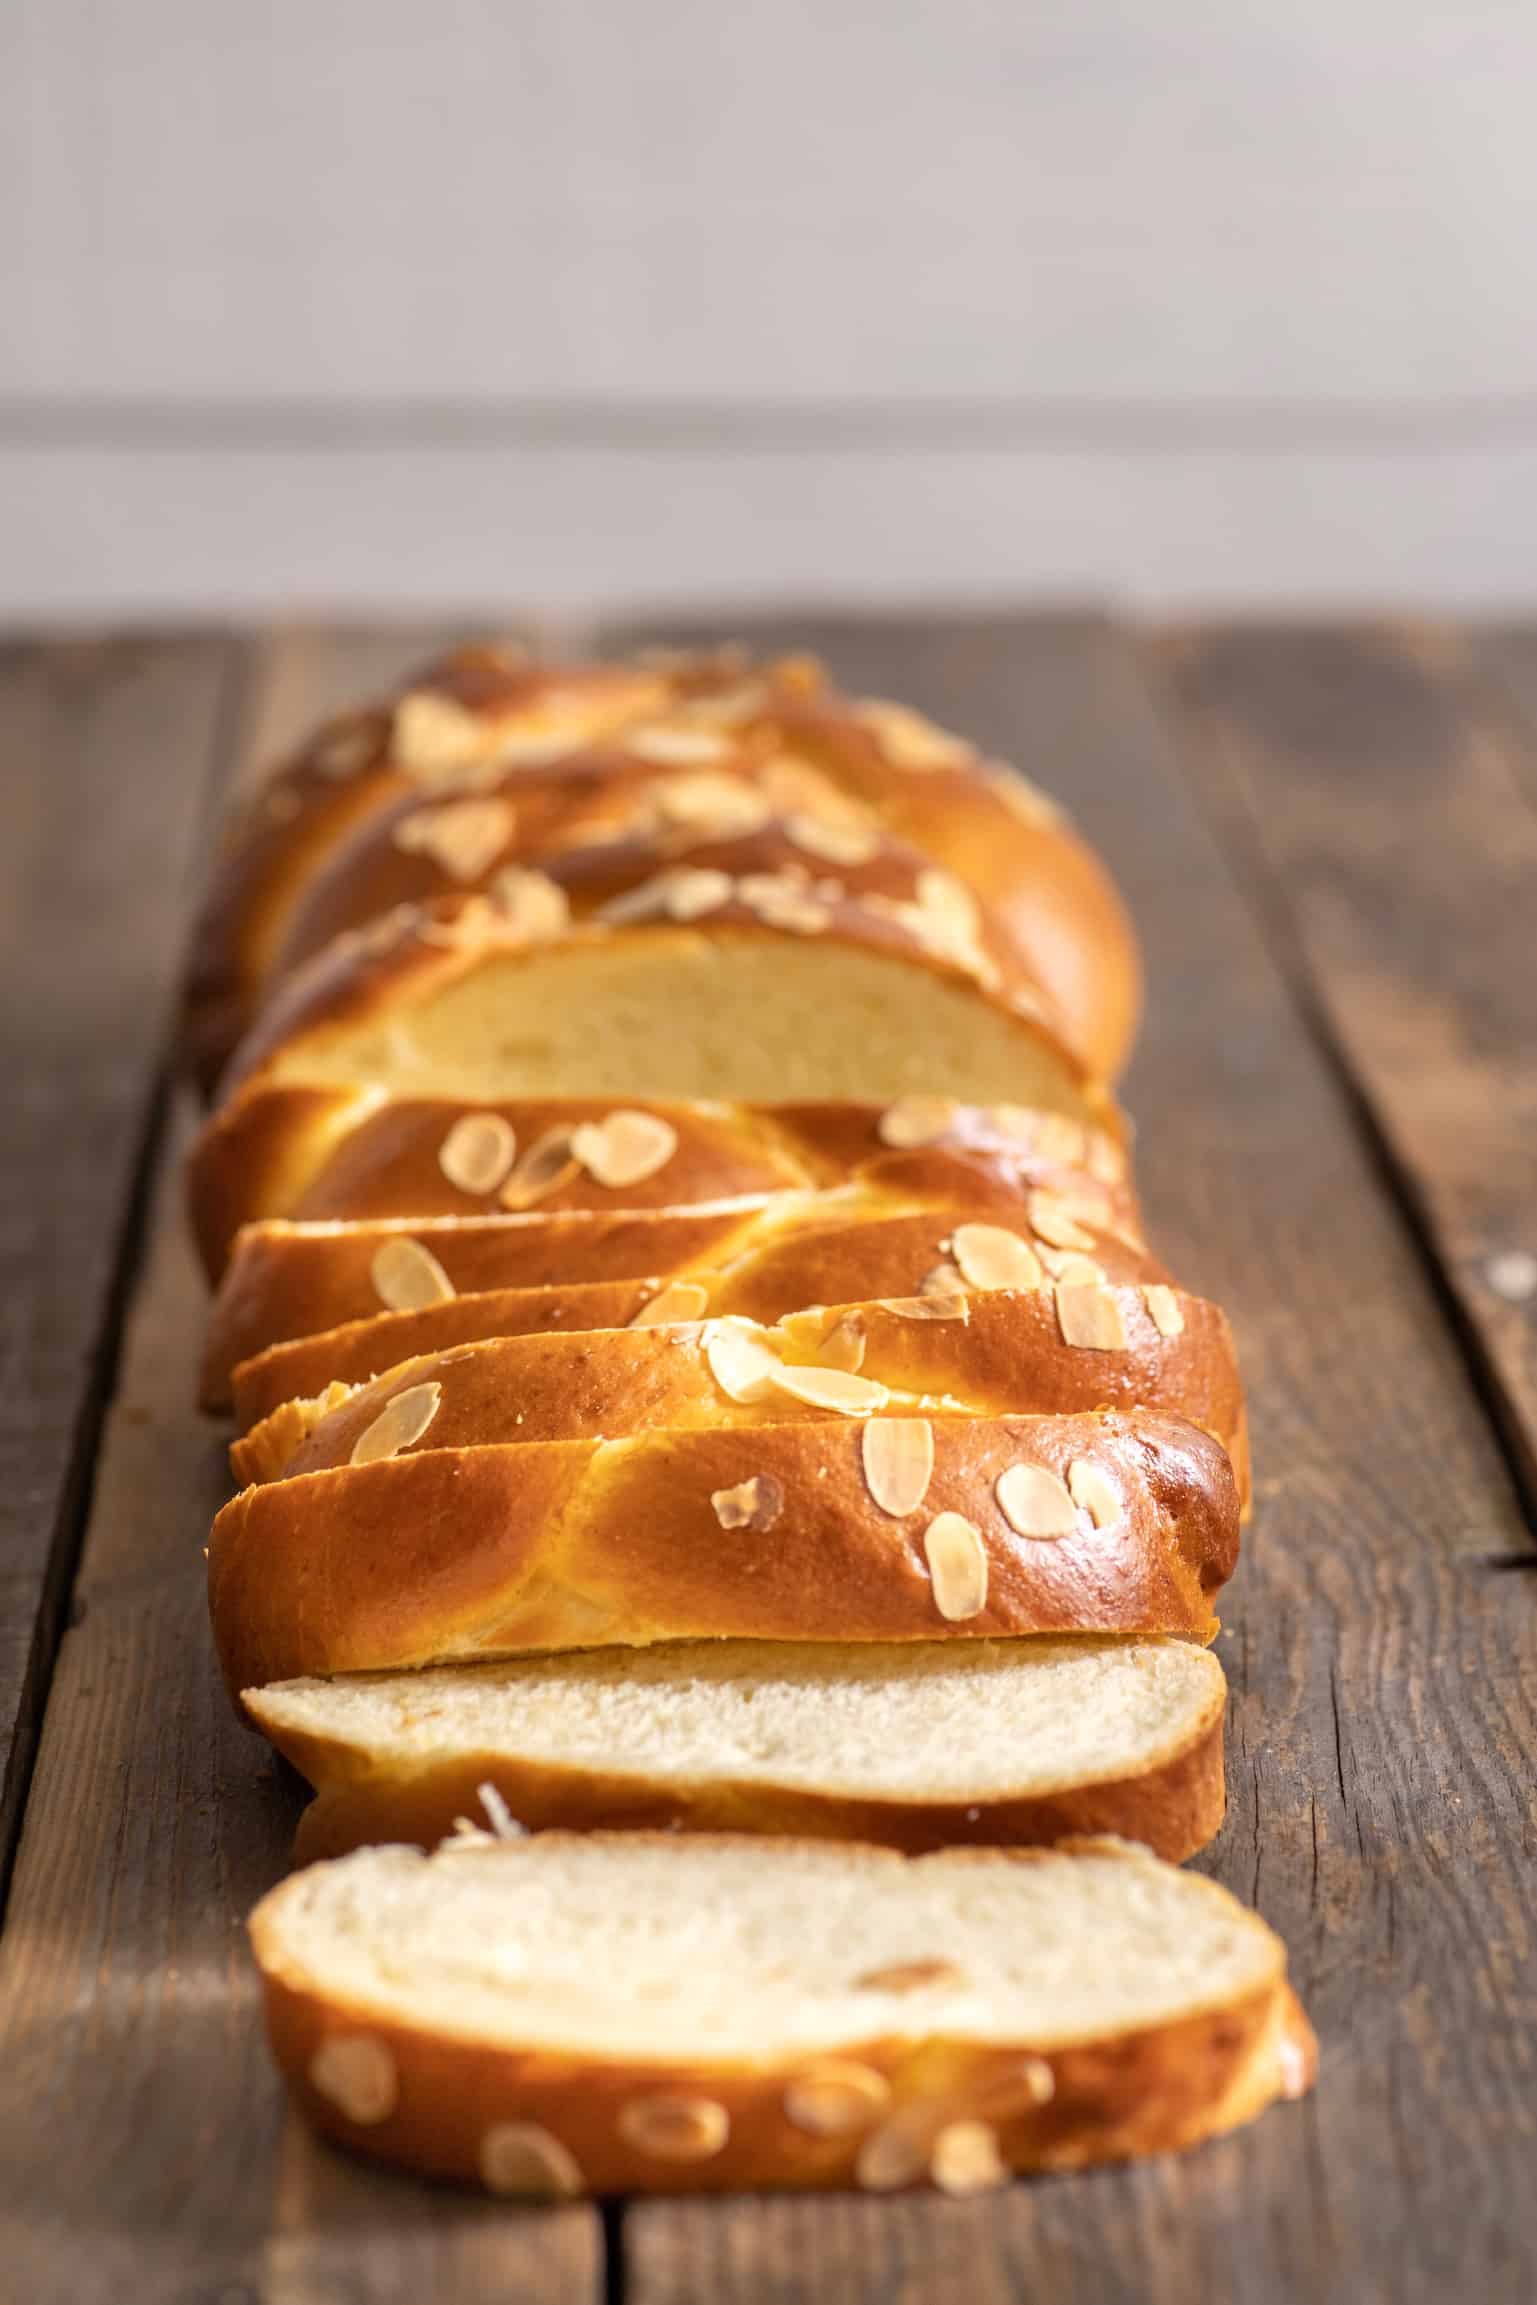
995,1353
657,2013
1058,1524
848,1004
915,1747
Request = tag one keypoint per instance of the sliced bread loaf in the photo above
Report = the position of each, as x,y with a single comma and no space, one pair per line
995,1353
914,1746
1059,1524
564,2014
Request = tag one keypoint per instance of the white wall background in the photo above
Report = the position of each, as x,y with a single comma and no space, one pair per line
416,301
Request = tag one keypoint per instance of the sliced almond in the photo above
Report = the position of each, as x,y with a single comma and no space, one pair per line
943,1305
672,744
731,707
478,1151
1090,1317
894,2155
835,841
957,1561
522,2161
835,2096
432,737
834,1389
546,1165
675,2128
1091,1487
1164,1309
1106,1160
531,903
1014,2086
1035,1502
464,838
1060,1140
1068,1266
965,2159
712,806
843,1347
739,1361
907,739
356,2073
782,902
1056,1221
399,1425
677,1301
909,1976
754,1504
408,1277
991,1257
624,1148
949,899
917,1120
898,1458
684,892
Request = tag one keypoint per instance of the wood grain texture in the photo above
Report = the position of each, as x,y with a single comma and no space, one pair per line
1381,786
106,751
1384,1672
144,2148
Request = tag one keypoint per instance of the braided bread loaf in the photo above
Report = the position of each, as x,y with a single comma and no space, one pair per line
698,1363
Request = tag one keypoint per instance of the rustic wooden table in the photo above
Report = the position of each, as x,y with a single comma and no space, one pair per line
1329,839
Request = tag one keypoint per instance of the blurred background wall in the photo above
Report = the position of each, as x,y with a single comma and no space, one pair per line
329,302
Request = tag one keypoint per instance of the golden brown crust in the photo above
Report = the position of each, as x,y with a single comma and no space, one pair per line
312,1153
750,1273
1173,1806
1151,2090
452,1554
1007,1356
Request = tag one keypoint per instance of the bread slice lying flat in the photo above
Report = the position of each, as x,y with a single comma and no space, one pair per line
1058,1524
662,2013
914,1747
1000,1352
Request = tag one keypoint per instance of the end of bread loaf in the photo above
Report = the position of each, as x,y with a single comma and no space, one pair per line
537,2015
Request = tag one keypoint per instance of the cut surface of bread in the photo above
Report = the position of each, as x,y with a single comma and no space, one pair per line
311,1153
993,1353
583,2013
915,1747
465,1006
1058,1524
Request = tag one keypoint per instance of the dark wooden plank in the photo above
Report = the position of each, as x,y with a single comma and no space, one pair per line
1384,1673
144,2146
1378,779
105,757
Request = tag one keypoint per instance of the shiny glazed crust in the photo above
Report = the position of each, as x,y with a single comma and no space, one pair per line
314,1153
428,1558
1006,1356
1154,2089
